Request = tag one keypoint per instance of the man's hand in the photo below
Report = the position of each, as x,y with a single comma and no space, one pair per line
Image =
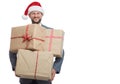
53,74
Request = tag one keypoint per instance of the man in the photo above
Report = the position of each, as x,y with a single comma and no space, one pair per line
35,13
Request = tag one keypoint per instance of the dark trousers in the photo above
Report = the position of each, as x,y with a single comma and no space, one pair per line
31,81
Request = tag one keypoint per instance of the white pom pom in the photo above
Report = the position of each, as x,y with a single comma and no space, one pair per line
24,17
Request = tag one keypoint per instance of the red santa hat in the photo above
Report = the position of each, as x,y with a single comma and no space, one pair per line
34,6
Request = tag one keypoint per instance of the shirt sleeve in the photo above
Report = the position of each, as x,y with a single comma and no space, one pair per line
58,63
13,59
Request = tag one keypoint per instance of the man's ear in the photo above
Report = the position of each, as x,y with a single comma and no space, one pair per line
41,13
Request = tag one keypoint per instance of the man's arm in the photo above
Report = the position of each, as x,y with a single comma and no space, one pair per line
13,59
58,63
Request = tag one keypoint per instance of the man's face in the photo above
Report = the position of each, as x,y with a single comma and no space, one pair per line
35,17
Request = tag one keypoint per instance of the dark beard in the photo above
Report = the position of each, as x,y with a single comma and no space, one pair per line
33,22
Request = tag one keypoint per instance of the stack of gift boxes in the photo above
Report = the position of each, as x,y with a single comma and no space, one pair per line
35,46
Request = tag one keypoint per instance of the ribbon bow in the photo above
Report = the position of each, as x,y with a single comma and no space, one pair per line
26,37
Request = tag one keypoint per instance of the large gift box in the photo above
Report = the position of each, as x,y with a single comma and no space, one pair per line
36,37
54,41
34,64
27,37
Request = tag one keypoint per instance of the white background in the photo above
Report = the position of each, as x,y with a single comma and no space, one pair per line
92,38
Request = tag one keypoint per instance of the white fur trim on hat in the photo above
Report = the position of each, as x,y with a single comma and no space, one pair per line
24,17
35,8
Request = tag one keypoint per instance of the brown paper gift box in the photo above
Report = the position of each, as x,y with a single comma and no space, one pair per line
54,41
27,37
34,64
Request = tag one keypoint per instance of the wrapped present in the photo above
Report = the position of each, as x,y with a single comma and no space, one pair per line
54,41
27,37
34,64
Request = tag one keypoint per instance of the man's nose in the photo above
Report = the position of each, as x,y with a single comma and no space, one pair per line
35,15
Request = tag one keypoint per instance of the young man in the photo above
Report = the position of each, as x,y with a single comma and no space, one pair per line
35,13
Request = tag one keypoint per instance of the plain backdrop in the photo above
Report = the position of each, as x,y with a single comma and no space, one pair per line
91,43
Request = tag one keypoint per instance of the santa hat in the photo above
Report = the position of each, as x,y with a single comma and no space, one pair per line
34,6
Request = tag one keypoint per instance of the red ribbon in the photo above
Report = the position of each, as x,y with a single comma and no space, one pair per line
51,38
36,65
26,37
